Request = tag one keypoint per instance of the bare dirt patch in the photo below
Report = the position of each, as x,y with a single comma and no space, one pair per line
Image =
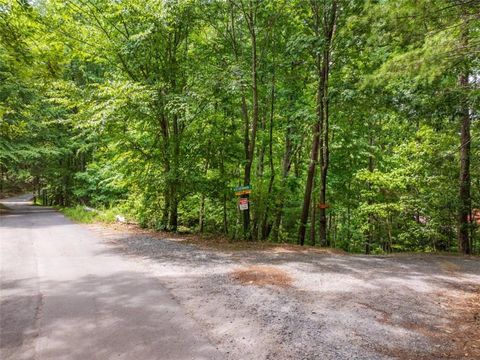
262,276
448,266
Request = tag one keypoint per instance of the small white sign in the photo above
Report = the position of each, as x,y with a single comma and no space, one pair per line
243,204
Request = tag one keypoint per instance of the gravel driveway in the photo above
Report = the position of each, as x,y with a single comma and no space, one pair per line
337,306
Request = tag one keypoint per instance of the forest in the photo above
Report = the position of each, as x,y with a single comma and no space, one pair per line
349,124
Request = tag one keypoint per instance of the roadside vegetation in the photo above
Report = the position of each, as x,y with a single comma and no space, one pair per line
4,209
333,123
82,214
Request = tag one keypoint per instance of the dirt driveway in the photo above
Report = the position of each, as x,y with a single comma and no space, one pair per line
282,303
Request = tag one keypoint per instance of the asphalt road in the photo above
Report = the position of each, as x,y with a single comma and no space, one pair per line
66,295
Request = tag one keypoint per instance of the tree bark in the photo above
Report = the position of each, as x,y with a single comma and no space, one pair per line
249,134
201,212
309,185
324,24
464,209
312,224
329,30
267,226
250,18
369,237
286,166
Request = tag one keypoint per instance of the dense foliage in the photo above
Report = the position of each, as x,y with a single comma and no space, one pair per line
355,121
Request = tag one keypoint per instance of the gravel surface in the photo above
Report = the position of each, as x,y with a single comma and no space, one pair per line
338,307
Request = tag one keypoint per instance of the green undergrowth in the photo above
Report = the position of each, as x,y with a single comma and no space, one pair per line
85,215
4,209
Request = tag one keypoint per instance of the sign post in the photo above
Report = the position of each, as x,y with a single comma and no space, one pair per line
244,193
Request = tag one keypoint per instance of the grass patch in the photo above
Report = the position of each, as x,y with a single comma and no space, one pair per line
79,214
87,216
107,215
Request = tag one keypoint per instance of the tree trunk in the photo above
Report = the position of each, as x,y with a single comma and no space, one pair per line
464,178
324,24
224,199
251,145
312,224
323,114
286,165
165,135
309,185
201,213
173,222
249,141
369,237
267,226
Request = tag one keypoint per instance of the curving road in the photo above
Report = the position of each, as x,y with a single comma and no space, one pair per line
65,295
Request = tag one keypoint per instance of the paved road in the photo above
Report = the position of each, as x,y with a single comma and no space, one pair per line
65,295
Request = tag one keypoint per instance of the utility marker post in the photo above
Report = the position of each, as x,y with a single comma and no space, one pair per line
243,205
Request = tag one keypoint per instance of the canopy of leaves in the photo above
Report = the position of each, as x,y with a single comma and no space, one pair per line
150,104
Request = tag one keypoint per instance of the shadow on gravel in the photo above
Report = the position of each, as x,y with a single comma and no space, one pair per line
166,251
340,306
430,268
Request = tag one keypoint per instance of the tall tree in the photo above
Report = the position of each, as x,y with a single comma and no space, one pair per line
324,21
